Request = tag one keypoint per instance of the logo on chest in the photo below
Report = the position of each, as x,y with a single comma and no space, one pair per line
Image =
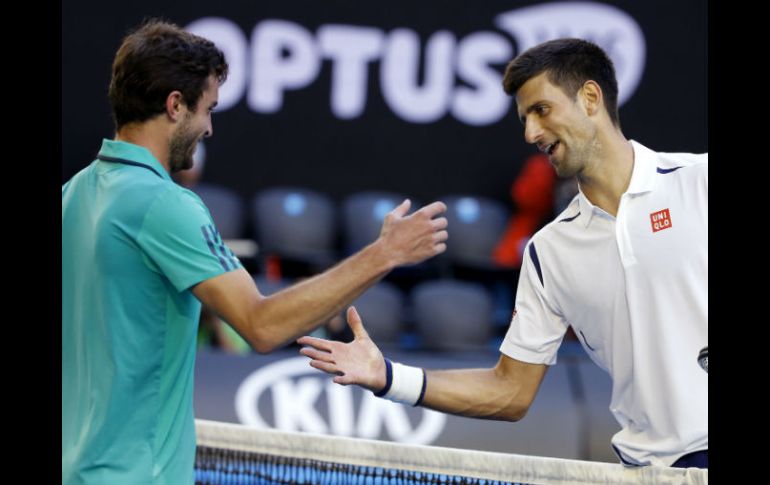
660,220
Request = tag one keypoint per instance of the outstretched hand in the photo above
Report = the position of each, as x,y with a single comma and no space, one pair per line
358,362
413,238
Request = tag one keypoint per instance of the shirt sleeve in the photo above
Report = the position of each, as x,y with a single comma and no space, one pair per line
179,239
536,328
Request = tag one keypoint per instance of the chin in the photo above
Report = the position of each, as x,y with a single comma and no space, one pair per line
185,165
564,171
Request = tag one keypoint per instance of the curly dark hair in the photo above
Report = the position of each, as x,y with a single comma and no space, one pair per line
568,63
156,59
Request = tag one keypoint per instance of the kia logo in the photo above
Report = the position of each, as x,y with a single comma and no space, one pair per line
295,389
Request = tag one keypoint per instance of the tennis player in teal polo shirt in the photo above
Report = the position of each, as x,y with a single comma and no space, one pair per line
140,254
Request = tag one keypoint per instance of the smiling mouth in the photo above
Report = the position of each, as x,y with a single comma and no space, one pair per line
550,148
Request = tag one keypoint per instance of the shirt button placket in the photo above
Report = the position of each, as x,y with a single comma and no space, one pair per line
621,233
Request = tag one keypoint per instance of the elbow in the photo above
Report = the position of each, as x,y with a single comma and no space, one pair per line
515,410
516,414
262,342
518,384
263,349
262,338
261,346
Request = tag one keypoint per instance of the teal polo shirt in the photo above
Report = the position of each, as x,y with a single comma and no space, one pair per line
133,244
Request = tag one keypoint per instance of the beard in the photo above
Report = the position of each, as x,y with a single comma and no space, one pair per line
569,166
578,156
181,148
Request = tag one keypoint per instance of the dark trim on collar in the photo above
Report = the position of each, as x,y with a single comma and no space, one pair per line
667,170
105,158
570,219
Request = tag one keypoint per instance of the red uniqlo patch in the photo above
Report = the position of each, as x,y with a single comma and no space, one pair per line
660,220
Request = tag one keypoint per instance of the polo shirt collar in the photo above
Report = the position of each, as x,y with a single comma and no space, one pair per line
645,167
586,208
131,154
642,180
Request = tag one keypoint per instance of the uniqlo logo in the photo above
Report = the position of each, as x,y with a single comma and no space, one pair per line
660,220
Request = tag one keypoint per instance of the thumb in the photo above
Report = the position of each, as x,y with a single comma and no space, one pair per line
356,325
403,208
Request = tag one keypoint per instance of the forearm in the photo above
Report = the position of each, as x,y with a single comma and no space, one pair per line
503,392
297,310
270,322
477,393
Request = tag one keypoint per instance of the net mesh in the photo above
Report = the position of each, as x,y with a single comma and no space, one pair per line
235,454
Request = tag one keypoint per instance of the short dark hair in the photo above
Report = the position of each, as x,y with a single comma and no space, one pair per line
156,59
568,63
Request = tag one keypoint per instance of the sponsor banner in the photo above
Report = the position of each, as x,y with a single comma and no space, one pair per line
458,76
281,391
400,96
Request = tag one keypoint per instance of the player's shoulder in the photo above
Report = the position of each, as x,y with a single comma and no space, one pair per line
682,162
175,209
77,180
561,223
688,169
173,198
670,162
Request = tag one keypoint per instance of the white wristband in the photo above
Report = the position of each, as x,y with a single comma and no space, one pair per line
405,384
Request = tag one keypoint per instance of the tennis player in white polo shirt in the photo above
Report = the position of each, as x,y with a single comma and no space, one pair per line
625,264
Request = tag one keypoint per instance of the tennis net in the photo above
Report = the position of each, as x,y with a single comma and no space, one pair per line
235,454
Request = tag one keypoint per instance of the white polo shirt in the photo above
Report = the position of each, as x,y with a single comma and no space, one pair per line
635,290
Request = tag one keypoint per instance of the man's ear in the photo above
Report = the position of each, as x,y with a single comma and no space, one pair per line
174,105
592,97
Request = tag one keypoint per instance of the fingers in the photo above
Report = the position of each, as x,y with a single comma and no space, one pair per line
317,355
356,325
343,379
439,248
440,237
434,209
403,208
317,343
440,223
326,367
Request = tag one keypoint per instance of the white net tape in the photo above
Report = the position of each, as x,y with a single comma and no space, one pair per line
431,459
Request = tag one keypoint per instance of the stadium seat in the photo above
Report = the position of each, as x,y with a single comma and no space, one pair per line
363,214
226,208
452,315
297,224
475,226
382,310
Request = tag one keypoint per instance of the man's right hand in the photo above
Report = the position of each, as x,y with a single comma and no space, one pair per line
414,238
358,362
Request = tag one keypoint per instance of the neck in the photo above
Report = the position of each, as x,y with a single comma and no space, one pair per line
149,135
604,182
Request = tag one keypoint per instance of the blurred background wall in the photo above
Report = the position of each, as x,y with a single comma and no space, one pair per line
404,96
